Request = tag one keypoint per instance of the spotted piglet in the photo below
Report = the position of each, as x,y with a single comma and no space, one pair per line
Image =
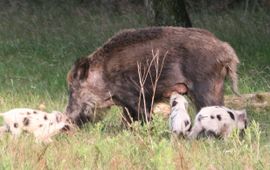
42,124
179,119
218,121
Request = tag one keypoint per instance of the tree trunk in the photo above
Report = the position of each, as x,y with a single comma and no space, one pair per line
168,12
180,13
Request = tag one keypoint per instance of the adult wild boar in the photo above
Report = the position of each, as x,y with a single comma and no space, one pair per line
195,62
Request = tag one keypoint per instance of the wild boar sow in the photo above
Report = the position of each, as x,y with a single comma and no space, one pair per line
190,60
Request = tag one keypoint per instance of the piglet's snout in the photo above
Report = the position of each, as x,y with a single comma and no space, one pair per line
66,128
180,131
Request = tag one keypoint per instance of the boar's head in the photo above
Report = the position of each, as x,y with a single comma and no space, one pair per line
87,91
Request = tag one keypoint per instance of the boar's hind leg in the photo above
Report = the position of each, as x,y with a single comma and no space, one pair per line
208,93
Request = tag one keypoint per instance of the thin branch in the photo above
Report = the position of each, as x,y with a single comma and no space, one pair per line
154,80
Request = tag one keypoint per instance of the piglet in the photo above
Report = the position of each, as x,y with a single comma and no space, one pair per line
218,121
179,120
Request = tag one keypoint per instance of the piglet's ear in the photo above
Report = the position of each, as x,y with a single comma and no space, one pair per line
242,115
58,118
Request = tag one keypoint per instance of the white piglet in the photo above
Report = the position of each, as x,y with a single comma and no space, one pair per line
42,124
179,120
218,121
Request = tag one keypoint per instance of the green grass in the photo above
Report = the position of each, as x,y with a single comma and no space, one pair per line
40,41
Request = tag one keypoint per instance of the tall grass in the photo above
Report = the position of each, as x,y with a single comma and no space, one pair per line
39,41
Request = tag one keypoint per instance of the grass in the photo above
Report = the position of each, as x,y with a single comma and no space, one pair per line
40,41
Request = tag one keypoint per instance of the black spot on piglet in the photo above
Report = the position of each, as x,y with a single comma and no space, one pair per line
45,117
189,129
219,117
186,123
26,121
231,115
15,125
212,117
174,103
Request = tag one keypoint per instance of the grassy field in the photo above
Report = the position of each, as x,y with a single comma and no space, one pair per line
38,44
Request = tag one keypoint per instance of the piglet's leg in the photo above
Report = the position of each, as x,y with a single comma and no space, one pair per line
38,135
43,140
16,132
3,129
197,128
42,136
226,131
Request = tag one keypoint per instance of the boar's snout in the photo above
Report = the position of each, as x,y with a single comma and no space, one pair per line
78,110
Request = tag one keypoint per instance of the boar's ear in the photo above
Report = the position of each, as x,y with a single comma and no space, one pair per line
80,70
69,77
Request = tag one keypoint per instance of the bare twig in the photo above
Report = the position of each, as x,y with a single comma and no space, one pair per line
144,74
130,118
157,76
42,153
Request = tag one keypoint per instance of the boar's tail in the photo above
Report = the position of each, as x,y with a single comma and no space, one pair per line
232,72
232,68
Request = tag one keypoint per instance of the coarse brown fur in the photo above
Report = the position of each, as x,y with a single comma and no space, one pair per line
192,57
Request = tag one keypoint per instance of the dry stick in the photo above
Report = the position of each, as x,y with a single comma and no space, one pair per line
129,124
138,87
157,76
94,113
140,95
142,79
151,78
42,153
